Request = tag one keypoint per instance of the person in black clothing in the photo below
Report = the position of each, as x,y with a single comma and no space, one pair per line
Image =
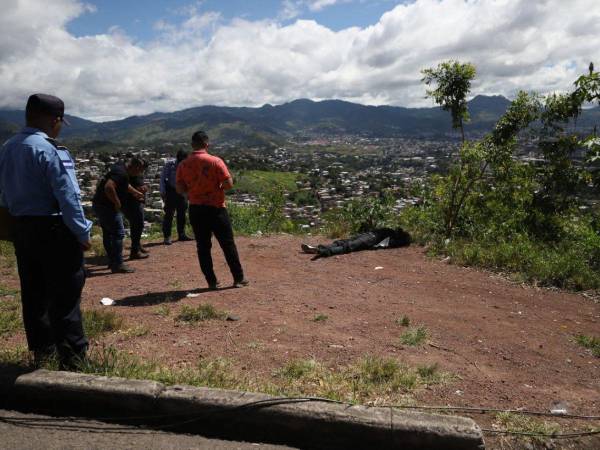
133,210
372,240
107,205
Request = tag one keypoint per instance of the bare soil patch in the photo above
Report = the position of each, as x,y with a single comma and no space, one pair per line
510,346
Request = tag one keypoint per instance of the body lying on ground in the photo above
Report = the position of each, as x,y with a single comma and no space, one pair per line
371,240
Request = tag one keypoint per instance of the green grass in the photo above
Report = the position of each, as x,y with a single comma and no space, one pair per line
526,424
259,181
16,356
372,380
403,321
255,345
320,318
590,342
175,284
10,316
4,290
136,331
162,310
200,313
97,322
414,336
298,369
7,254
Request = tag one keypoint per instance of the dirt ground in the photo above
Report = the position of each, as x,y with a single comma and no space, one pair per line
510,345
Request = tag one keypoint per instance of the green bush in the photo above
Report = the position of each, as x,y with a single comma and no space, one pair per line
362,214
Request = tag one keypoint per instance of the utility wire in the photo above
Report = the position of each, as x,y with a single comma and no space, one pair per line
547,435
45,421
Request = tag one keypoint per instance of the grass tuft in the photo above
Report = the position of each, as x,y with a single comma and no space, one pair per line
200,313
590,342
403,321
162,310
97,322
372,380
320,318
525,424
297,369
10,316
136,331
414,336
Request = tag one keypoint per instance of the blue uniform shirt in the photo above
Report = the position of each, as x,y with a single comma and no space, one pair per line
168,176
37,178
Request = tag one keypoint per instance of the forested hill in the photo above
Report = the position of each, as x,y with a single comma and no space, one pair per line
274,123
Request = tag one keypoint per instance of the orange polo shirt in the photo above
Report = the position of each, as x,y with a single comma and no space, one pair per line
203,175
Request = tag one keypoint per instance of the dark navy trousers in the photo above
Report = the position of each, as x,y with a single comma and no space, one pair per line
205,221
50,263
174,203
133,211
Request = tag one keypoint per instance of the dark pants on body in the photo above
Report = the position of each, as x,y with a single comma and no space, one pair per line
361,242
174,203
134,213
50,262
113,233
205,221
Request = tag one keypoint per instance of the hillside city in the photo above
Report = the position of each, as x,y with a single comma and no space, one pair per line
331,170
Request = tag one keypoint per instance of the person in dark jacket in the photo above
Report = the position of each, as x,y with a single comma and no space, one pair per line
133,210
372,240
107,205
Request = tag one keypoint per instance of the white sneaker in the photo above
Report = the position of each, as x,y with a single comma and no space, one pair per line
309,249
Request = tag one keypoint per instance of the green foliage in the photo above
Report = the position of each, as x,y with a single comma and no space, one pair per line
7,254
10,316
136,331
298,368
320,318
494,211
162,310
265,217
368,379
403,321
259,181
362,214
519,423
590,342
97,322
453,80
200,313
414,336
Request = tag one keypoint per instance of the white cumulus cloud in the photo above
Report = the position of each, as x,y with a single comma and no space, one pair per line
538,45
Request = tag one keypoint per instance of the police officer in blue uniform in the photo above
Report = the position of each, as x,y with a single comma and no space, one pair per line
40,189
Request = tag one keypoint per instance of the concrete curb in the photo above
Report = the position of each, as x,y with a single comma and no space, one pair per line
239,415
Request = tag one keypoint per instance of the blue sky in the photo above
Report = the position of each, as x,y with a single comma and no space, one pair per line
111,59
138,18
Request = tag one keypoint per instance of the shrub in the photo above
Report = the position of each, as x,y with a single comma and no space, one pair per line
200,313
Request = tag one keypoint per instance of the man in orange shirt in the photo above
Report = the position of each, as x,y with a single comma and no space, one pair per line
205,178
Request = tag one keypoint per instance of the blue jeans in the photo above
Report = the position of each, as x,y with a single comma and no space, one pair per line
113,233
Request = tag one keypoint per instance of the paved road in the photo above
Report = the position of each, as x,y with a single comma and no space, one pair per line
20,431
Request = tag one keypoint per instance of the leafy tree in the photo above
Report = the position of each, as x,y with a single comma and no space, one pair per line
453,81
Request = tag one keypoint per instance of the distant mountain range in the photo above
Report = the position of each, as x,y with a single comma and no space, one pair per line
272,124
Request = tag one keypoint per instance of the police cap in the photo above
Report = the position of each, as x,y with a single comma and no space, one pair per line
45,104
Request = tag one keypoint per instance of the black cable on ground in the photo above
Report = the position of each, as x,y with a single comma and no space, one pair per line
546,435
497,410
32,421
